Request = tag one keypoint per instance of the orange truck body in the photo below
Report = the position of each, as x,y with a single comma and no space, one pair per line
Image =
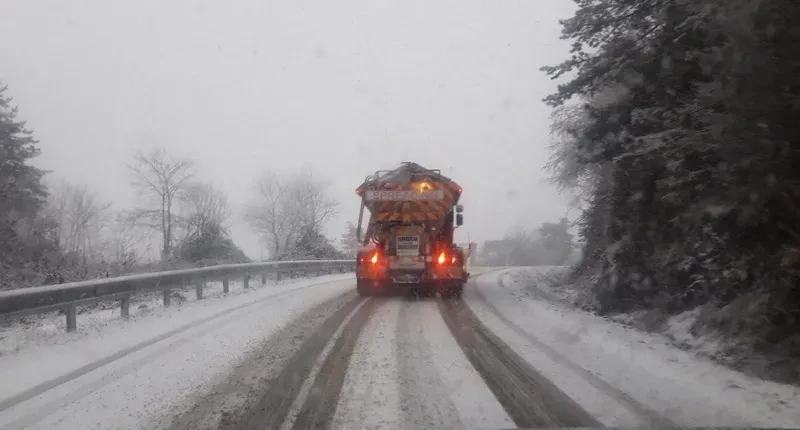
413,213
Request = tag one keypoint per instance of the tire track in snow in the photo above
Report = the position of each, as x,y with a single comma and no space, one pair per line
424,398
370,396
215,321
529,398
276,404
233,402
319,407
646,414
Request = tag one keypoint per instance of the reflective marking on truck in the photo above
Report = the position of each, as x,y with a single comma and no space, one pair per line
404,195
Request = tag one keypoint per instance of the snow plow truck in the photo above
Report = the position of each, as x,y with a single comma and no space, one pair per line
408,243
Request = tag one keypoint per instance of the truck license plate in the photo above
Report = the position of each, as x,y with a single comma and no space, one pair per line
407,245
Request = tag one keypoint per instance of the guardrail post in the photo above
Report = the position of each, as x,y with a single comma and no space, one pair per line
247,281
72,317
198,290
167,297
225,287
264,278
125,306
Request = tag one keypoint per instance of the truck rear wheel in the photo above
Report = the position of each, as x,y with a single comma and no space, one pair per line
363,288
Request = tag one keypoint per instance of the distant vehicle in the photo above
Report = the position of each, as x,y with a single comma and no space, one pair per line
408,242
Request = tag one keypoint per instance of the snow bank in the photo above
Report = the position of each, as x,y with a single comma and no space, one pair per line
147,388
685,388
45,351
49,328
548,282
728,335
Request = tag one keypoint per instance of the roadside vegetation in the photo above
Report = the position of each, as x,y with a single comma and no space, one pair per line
676,130
54,231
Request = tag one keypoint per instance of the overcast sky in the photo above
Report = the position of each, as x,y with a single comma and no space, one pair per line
245,86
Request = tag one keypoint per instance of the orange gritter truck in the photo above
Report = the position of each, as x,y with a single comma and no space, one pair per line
408,243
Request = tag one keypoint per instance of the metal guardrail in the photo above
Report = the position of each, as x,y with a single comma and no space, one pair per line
69,296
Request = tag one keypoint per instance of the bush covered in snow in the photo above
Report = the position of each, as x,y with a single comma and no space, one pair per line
684,148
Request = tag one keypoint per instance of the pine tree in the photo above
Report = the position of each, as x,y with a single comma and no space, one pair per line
686,142
22,194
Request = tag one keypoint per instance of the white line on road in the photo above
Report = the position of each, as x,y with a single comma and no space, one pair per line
298,402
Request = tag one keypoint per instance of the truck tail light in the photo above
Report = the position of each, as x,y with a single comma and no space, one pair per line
370,257
445,258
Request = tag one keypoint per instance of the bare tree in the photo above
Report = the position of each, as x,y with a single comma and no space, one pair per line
270,218
314,205
124,239
202,206
289,207
82,218
159,178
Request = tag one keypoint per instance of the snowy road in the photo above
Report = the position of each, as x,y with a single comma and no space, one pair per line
314,354
386,362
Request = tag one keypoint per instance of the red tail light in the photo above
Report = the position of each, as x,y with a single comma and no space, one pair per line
369,257
444,258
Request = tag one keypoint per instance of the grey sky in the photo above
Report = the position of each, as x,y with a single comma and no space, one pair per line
244,86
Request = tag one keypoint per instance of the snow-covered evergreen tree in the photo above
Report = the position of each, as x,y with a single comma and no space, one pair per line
684,144
25,237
